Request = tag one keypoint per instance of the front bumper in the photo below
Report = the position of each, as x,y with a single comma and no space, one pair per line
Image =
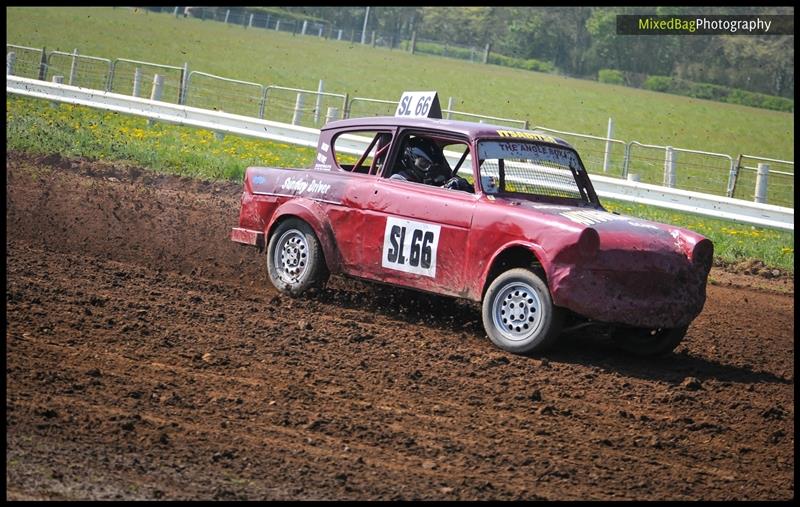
653,298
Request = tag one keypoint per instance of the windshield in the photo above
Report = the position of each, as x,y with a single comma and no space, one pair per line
530,168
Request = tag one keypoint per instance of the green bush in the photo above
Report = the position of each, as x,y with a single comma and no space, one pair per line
752,99
521,63
658,83
611,76
719,93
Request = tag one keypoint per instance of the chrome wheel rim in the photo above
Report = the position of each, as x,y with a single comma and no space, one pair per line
291,256
517,312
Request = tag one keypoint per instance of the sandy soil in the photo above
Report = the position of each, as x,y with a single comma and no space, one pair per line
148,357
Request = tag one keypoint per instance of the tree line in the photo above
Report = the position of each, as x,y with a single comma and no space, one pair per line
582,41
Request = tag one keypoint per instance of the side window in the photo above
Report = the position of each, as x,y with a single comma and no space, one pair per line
433,160
460,158
349,154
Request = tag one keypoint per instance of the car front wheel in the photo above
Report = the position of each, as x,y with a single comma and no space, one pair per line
294,258
518,313
649,342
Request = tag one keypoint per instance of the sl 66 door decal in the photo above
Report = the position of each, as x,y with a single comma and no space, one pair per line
410,246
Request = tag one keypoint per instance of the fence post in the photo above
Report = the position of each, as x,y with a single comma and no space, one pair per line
339,37
250,23
137,81
176,12
298,110
320,31
158,87
277,25
609,135
486,52
761,183
184,84
373,38
319,99
333,113
43,65
669,168
626,159
732,176
735,167
10,59
263,104
346,106
111,70
74,67
155,94
450,101
413,45
305,24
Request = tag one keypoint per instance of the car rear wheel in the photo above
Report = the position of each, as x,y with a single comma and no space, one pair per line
294,258
649,342
518,313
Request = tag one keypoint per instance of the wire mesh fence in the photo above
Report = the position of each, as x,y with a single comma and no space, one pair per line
779,186
79,70
130,76
705,172
360,107
207,91
599,155
23,61
302,107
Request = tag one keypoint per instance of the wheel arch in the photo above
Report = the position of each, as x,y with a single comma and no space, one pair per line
310,213
514,255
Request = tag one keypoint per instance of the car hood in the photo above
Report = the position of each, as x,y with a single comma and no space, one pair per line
614,232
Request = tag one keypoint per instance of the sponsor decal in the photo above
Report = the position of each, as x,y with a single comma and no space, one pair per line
321,158
322,167
589,217
258,180
526,151
410,246
301,186
527,135
324,147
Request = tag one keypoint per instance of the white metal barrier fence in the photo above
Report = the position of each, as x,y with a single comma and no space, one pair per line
607,187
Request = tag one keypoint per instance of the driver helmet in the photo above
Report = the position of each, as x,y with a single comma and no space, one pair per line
419,156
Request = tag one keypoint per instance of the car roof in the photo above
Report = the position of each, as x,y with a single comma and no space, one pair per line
469,129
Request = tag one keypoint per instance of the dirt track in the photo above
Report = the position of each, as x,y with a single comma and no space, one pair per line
148,357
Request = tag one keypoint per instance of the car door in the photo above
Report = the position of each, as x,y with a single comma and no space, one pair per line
418,235
359,172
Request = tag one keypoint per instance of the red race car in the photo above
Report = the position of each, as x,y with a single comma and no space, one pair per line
497,215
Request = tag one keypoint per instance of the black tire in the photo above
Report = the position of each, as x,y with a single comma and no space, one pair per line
649,342
518,313
295,262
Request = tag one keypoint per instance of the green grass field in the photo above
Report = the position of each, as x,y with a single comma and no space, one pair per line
37,126
270,57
